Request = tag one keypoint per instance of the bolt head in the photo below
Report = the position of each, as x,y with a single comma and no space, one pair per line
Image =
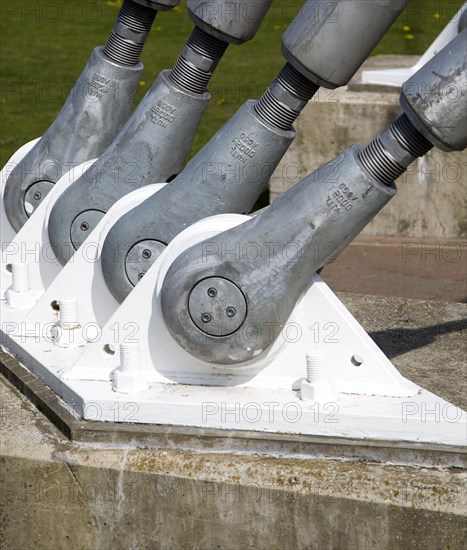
146,253
37,196
222,300
205,317
231,312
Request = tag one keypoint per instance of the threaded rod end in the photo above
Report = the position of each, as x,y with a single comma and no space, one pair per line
186,74
293,81
129,356
316,368
129,34
380,164
409,137
68,312
276,112
20,277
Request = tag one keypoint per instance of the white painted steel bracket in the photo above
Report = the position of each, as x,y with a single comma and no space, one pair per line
31,244
397,77
7,232
126,367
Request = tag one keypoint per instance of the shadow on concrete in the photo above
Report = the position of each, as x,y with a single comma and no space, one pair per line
396,341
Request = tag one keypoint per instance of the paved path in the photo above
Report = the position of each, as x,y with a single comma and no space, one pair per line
406,268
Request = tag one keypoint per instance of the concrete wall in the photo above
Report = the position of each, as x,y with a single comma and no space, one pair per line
144,500
432,197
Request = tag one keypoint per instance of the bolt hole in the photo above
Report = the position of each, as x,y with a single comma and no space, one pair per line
55,306
84,226
212,292
146,253
356,360
141,275
9,268
109,349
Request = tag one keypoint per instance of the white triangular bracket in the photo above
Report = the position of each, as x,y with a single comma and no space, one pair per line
7,232
370,398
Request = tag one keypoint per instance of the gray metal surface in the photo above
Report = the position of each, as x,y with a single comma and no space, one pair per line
151,148
329,40
234,21
435,97
96,109
140,258
82,226
304,229
129,33
227,175
217,307
285,98
159,5
35,195
330,207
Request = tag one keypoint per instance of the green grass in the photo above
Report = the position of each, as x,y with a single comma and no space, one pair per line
44,46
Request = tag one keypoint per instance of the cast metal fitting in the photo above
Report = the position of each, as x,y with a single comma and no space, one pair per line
153,144
438,92
434,101
330,206
329,39
231,170
234,21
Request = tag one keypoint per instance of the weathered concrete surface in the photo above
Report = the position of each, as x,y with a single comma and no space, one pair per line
426,340
55,494
431,197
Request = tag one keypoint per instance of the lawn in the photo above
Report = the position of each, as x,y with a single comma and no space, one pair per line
44,46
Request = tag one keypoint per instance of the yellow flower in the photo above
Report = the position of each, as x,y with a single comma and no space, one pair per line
406,28
142,83
221,101
158,29
409,36
436,15
177,9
